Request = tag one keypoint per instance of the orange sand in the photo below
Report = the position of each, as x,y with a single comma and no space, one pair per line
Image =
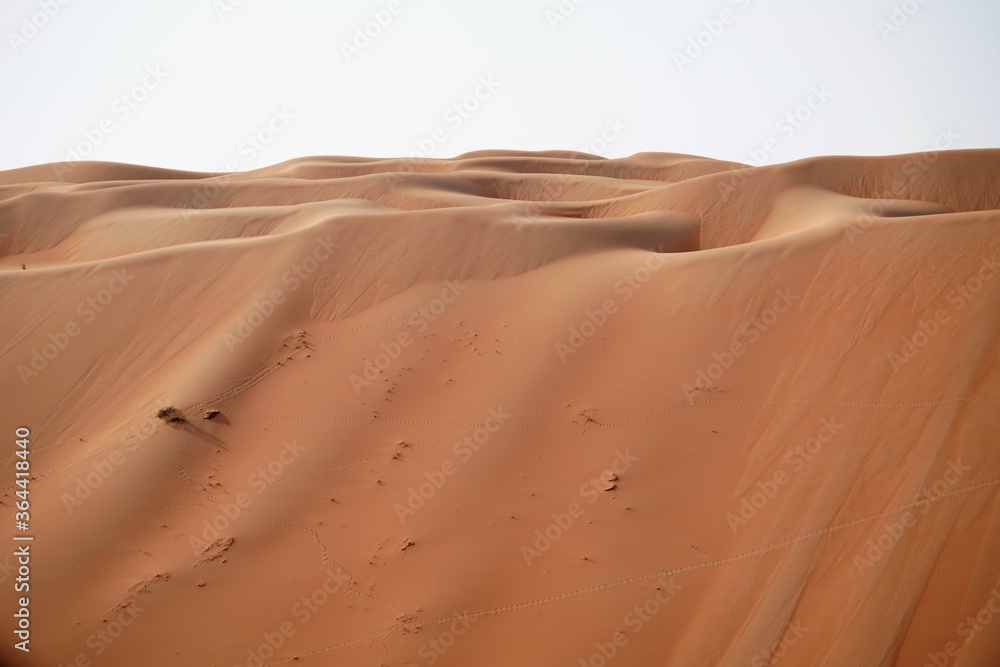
506,409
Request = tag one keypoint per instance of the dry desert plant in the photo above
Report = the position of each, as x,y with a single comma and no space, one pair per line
171,415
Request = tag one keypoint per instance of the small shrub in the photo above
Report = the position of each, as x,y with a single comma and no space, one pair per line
171,415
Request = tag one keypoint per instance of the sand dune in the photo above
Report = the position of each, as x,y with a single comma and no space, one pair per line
507,409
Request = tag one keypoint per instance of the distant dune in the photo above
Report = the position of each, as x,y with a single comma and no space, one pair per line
506,409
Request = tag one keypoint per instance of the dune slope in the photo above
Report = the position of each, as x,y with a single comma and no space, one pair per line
506,409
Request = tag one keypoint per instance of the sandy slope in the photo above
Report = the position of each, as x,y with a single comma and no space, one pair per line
507,409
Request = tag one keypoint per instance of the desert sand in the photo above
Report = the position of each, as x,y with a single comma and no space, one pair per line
505,409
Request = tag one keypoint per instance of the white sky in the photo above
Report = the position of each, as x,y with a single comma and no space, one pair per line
277,71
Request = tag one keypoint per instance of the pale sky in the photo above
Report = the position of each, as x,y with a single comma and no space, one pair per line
219,85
